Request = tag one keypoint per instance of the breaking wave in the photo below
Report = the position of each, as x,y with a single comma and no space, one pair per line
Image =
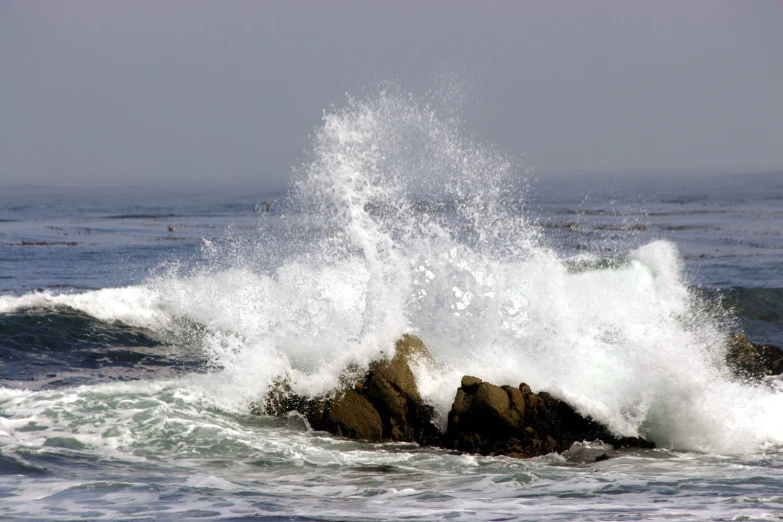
402,222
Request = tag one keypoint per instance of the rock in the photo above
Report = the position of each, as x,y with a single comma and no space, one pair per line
391,387
396,371
753,361
470,384
351,415
346,413
502,420
280,400
382,405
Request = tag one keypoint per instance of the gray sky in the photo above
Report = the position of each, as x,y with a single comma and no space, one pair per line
139,92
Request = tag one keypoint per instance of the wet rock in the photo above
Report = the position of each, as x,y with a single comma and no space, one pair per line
503,420
391,387
346,412
383,404
281,399
396,371
753,361
351,415
469,383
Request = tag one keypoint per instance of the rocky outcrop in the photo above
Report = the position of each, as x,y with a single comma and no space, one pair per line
391,388
345,413
753,361
382,405
503,420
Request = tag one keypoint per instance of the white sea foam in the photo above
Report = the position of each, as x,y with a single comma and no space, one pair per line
134,306
425,236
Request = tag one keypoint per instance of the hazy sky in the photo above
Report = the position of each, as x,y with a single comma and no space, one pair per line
137,92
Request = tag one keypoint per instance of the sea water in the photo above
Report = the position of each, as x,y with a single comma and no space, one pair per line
137,327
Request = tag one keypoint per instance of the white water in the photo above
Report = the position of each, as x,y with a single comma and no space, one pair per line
628,345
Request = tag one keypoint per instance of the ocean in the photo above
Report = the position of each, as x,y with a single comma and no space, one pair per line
139,324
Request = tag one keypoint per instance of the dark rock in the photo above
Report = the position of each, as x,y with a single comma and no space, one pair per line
396,371
391,387
346,413
502,420
753,361
470,384
382,404
280,400
351,415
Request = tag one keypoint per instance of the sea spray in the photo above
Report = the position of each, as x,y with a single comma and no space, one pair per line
403,223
